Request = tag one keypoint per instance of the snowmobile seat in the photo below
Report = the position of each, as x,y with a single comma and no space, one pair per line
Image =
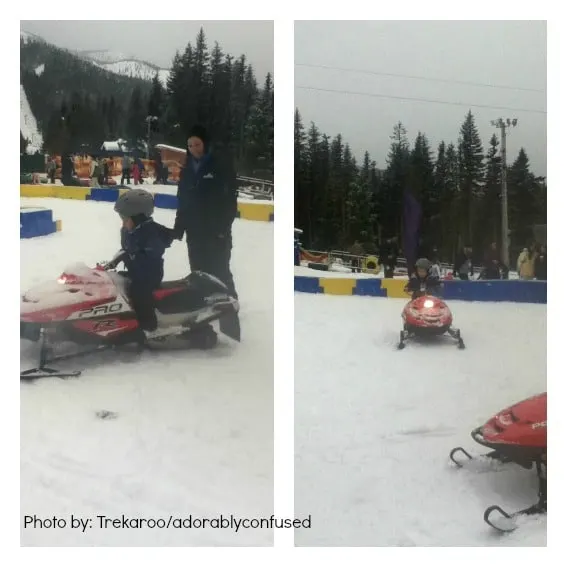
174,284
188,293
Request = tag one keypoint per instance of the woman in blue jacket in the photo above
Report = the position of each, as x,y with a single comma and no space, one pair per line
206,208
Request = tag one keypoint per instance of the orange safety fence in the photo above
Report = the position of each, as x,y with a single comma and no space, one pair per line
83,166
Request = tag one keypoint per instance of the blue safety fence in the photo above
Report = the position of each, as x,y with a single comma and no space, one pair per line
516,291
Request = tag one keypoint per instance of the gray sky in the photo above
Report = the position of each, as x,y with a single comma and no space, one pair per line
157,41
511,53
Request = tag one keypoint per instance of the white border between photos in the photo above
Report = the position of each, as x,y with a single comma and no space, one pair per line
283,281
284,15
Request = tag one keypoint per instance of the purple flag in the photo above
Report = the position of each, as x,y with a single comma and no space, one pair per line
411,225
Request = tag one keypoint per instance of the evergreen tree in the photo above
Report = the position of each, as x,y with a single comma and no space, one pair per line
522,195
421,181
215,89
156,108
395,182
24,143
366,170
471,172
219,103
490,221
260,128
302,216
338,202
136,125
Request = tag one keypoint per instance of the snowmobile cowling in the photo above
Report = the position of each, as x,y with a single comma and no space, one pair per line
90,307
427,312
519,431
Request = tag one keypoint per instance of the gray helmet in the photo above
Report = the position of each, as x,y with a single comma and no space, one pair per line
423,263
135,202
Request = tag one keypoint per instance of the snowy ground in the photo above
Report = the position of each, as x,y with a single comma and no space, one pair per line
374,426
194,432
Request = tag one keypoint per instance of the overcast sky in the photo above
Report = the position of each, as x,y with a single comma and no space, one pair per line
509,53
156,41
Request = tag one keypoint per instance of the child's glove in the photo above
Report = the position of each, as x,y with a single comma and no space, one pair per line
118,257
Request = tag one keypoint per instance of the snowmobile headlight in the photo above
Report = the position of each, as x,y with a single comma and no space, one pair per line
428,303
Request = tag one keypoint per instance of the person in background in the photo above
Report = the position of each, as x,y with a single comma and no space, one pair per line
389,256
136,173
463,267
158,170
141,169
105,171
94,172
540,265
492,263
435,269
51,169
357,251
207,207
126,169
101,164
526,263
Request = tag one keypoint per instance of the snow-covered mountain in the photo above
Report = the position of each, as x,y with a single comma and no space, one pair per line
27,36
28,124
135,69
114,62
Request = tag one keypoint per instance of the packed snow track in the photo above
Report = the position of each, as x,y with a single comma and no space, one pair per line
374,425
188,434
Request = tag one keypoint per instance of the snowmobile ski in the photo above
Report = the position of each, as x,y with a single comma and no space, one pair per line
456,334
499,519
403,337
493,456
505,522
458,462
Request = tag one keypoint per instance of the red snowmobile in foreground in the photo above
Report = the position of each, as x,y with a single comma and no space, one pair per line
427,316
90,308
517,434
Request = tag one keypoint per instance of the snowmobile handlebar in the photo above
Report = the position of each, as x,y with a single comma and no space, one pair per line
111,264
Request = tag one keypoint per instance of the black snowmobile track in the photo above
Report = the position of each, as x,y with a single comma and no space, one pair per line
495,516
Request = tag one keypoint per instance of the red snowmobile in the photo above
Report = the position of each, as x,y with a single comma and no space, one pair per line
427,316
517,434
90,308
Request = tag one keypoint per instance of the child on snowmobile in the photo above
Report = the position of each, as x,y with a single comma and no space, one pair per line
143,242
422,281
